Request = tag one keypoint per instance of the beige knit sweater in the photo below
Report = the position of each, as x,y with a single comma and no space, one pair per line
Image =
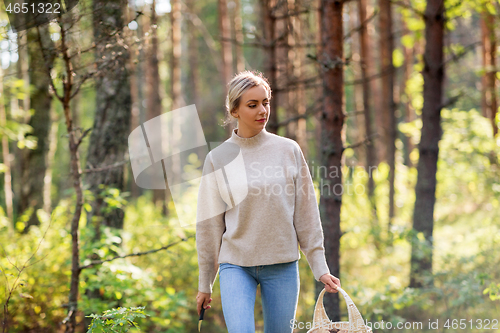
256,205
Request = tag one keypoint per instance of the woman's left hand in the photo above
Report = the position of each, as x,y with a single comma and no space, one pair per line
330,282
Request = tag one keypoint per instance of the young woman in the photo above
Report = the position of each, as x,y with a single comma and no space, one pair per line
252,233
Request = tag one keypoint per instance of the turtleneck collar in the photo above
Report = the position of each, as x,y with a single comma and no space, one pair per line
255,140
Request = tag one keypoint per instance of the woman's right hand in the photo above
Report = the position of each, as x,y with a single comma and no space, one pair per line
202,299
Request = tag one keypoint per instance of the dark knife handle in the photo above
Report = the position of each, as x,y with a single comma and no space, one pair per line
202,313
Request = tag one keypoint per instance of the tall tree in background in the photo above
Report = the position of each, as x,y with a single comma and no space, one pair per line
319,91
226,48
135,65
109,136
425,190
409,113
365,55
226,45
41,122
282,64
238,36
193,92
269,23
176,92
7,178
388,108
358,130
296,94
332,120
20,111
175,65
373,72
34,160
489,91
153,99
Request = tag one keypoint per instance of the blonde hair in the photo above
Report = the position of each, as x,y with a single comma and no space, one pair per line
238,85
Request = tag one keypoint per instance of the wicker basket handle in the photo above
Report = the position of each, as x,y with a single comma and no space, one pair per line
320,315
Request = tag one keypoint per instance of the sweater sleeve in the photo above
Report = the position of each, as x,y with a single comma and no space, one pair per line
210,226
306,218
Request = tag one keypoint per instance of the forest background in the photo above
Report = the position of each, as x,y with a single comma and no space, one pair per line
406,87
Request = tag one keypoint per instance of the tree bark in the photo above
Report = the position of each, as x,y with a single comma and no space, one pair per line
226,49
135,89
109,136
409,114
425,190
238,36
319,90
153,99
358,128
34,160
283,66
373,69
177,99
332,144
226,45
7,186
176,54
193,93
296,55
489,100
370,161
388,109
269,23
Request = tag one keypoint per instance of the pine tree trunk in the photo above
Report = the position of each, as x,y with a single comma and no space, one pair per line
269,22
373,72
34,161
367,94
226,45
299,94
176,54
409,114
332,143
177,98
108,141
109,137
153,99
226,48
7,186
425,190
238,35
358,128
135,70
193,54
489,100
389,131
319,90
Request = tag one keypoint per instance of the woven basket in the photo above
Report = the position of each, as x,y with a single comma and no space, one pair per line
322,324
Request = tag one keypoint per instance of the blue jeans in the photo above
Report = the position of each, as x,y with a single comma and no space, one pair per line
279,286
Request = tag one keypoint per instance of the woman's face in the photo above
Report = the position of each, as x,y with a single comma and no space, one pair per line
254,105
